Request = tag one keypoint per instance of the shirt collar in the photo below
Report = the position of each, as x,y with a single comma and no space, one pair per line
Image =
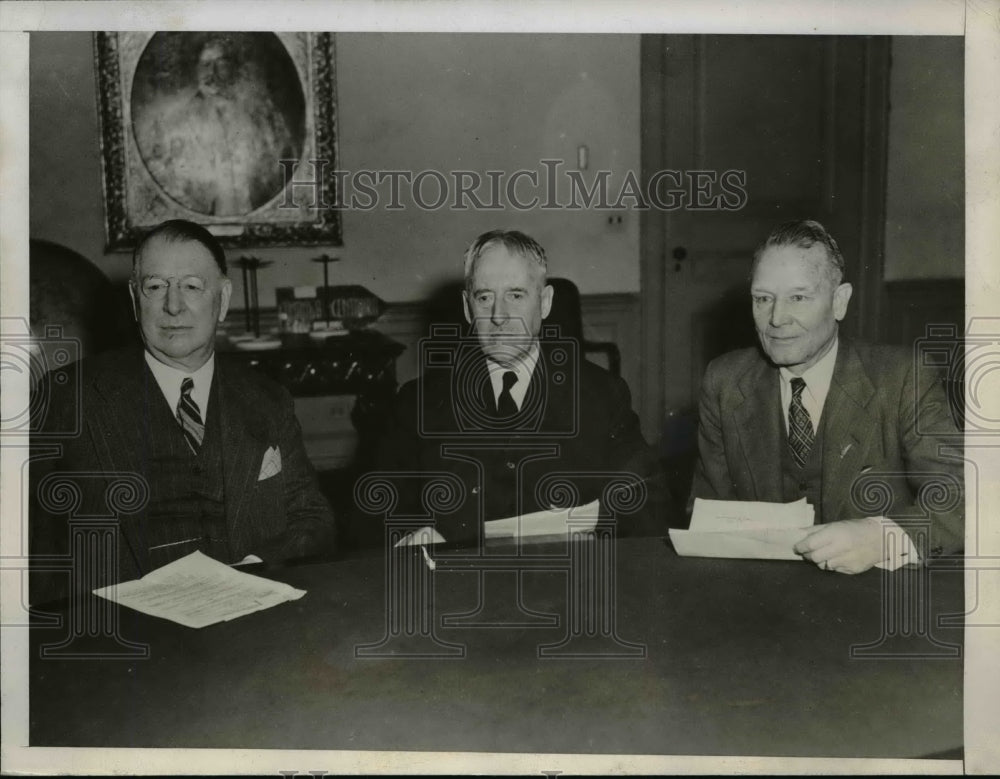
169,381
524,370
819,376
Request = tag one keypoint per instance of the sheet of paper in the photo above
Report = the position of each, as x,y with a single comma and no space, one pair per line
545,523
422,537
539,523
774,544
744,529
197,591
721,515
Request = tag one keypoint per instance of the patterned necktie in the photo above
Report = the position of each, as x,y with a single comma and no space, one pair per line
506,407
800,428
189,416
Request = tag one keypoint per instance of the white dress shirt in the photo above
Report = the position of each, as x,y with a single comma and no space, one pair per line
817,378
169,380
524,368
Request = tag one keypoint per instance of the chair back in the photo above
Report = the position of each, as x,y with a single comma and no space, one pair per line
71,299
445,316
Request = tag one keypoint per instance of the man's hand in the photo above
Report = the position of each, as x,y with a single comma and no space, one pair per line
848,546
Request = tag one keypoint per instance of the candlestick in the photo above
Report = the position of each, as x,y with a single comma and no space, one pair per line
326,260
250,297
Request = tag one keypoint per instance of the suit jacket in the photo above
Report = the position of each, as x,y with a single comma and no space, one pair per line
107,401
575,438
885,427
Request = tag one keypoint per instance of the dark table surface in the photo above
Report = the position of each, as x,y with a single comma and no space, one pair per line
728,657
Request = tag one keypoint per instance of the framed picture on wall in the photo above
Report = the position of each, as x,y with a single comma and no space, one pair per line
233,130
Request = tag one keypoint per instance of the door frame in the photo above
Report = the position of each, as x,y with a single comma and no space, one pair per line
866,271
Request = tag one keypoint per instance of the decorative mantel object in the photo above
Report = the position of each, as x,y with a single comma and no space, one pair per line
251,302
299,309
326,260
353,305
235,131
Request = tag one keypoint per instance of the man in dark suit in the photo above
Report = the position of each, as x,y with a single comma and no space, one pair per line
513,418
856,429
212,452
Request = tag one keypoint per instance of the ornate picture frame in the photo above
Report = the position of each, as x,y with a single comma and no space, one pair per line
235,131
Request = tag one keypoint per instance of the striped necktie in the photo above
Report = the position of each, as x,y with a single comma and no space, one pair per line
800,429
190,417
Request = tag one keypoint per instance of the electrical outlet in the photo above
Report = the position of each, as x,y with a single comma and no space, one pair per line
615,221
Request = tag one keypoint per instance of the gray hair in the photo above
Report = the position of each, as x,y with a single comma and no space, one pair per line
181,231
804,234
513,241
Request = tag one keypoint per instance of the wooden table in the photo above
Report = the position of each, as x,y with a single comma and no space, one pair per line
714,657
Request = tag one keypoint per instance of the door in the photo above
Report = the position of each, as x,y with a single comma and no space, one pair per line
751,131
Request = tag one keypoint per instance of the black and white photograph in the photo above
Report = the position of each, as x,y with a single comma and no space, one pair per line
401,393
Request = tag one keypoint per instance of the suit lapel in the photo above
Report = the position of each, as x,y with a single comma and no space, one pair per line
119,424
469,397
538,399
483,381
117,421
758,420
848,429
547,400
244,441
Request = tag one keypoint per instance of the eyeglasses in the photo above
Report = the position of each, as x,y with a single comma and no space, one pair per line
191,288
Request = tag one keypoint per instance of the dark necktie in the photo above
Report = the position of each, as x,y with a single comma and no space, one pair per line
800,429
506,407
190,417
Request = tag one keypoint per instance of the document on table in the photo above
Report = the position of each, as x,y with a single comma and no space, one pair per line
197,591
422,537
744,529
548,522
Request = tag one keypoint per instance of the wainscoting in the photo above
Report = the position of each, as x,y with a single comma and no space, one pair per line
606,317
329,436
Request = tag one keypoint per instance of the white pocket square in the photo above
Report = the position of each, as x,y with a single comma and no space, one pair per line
271,464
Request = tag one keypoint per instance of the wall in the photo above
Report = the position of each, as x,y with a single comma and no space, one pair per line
925,200
406,101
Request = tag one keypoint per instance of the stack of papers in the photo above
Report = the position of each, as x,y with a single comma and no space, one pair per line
548,522
745,529
197,591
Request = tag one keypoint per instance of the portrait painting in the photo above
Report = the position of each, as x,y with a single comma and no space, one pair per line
232,130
